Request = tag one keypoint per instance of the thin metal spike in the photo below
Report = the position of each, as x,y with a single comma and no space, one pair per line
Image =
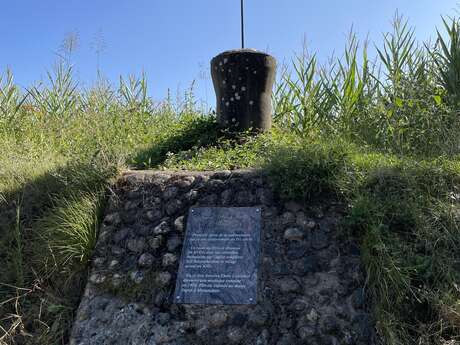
242,24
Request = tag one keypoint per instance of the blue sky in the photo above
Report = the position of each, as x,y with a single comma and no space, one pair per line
173,40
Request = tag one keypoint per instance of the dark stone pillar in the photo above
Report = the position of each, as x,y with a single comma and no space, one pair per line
243,81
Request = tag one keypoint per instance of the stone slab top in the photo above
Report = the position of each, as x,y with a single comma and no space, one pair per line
133,176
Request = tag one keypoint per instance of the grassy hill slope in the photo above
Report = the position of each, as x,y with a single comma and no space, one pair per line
384,136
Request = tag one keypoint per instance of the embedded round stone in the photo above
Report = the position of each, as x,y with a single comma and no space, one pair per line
170,192
292,206
179,224
258,318
117,251
306,332
98,262
174,243
120,235
136,245
117,279
162,228
163,318
153,215
169,259
112,219
186,181
312,315
320,240
163,279
156,242
218,319
226,196
146,260
97,278
288,218
299,305
136,276
130,205
113,264
235,335
173,206
288,285
293,234
191,195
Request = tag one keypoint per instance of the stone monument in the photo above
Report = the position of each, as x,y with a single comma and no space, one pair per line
243,80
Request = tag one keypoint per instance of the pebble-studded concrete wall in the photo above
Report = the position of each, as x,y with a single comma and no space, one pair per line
310,282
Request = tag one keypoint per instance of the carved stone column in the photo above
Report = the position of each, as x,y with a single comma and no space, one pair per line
243,80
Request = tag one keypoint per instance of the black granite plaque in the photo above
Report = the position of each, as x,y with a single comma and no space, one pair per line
220,256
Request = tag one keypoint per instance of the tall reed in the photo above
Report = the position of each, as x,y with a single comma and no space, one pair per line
404,101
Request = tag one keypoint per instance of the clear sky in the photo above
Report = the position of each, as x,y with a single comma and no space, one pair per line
173,40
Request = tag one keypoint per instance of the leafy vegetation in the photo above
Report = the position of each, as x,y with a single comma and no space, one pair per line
382,134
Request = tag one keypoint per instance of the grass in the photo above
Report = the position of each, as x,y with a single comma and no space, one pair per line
405,211
382,135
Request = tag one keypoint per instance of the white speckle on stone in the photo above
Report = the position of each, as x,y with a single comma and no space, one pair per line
136,276
237,98
236,94
224,82
223,99
251,102
225,60
97,278
229,70
116,280
243,88
255,72
220,63
227,103
234,87
233,119
232,99
247,68
113,264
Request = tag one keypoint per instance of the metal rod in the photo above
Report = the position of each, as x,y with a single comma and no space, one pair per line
242,24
